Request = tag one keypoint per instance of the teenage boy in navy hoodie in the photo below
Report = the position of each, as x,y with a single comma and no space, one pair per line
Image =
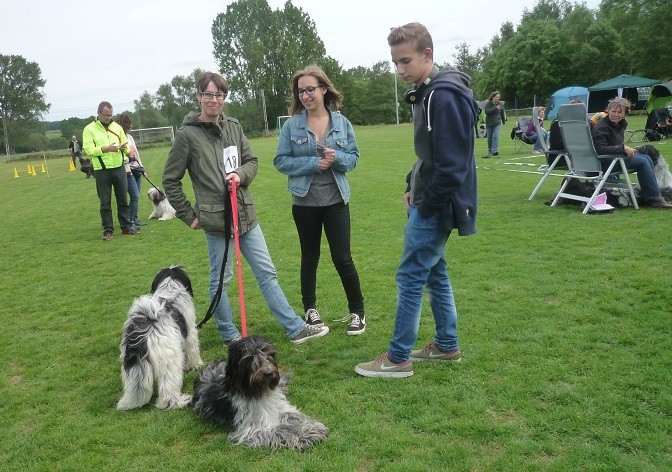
441,197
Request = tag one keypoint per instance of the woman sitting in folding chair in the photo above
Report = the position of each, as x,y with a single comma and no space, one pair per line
608,138
531,132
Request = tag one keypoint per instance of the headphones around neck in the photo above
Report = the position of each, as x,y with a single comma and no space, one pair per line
411,96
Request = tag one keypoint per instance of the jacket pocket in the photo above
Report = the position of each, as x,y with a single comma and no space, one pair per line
211,217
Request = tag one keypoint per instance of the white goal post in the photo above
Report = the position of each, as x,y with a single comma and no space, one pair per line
147,136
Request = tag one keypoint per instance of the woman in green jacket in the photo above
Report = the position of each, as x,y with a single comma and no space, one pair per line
213,148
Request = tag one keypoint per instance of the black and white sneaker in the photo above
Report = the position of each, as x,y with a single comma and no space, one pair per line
357,324
313,318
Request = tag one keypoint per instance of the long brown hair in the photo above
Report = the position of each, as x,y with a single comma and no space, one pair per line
332,99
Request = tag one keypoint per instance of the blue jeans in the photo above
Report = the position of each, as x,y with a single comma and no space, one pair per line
134,194
493,138
537,143
254,250
643,165
423,265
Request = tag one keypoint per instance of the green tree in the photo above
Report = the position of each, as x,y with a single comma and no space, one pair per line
147,115
177,98
642,27
21,102
466,62
259,49
74,127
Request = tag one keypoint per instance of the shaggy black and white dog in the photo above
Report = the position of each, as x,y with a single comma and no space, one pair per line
246,394
163,210
159,342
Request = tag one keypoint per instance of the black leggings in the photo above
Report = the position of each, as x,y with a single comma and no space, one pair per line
336,222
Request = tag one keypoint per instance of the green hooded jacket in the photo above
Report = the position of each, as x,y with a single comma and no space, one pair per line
199,148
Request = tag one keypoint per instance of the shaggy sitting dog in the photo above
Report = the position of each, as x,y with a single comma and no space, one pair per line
246,395
163,210
159,342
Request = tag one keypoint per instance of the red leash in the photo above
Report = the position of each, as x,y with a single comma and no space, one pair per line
239,265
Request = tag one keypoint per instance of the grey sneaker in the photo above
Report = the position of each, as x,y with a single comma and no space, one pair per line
107,235
431,353
384,367
357,324
310,332
313,318
132,231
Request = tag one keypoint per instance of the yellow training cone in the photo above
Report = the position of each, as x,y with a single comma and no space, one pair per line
44,171
16,173
72,166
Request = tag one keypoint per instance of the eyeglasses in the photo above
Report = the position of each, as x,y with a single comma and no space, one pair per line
308,90
210,95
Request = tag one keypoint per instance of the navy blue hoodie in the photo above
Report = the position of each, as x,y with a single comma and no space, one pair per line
443,180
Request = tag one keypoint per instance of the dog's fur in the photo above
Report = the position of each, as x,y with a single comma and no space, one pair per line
160,341
85,166
660,168
246,394
163,210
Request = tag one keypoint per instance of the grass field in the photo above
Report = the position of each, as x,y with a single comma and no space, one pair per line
564,323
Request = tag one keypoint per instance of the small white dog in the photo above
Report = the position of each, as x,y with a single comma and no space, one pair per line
159,342
163,210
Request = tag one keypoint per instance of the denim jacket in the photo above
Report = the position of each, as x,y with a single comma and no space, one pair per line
297,153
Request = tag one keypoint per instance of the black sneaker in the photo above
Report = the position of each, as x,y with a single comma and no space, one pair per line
313,318
132,231
139,223
357,324
107,235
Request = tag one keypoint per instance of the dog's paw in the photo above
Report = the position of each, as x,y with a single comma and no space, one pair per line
174,402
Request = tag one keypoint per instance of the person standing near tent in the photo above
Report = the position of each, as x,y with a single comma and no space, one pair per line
206,143
608,137
495,117
317,147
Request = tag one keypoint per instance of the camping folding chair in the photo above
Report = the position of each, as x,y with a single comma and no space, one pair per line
584,160
521,141
555,158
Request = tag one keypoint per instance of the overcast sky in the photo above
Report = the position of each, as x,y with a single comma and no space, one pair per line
90,51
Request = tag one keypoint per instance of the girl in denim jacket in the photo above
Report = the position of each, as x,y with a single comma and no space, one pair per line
317,147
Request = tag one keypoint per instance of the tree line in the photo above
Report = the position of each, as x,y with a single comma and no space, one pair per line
557,43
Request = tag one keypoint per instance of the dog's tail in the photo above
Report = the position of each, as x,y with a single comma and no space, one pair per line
136,370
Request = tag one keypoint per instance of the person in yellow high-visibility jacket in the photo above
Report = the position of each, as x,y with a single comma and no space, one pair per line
105,142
